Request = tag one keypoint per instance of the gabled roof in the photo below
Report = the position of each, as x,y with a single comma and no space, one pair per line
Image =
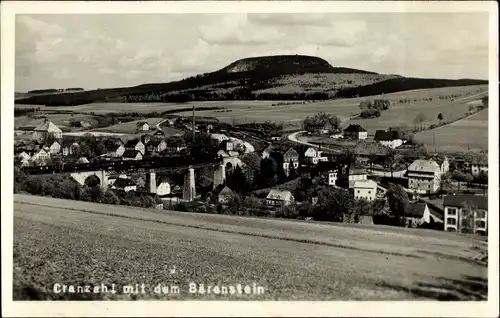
291,153
383,135
140,123
131,153
222,189
155,142
281,195
113,147
132,143
354,128
48,126
479,201
122,183
423,165
416,210
365,184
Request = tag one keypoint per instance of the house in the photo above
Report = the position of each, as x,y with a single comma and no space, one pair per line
23,155
159,134
390,138
419,213
142,126
21,162
163,188
279,198
82,160
223,194
53,147
70,147
275,137
314,156
332,177
364,189
132,155
357,175
145,139
40,157
135,144
124,184
227,145
46,129
466,213
355,132
290,156
477,168
156,145
175,145
424,176
112,141
218,138
115,150
443,162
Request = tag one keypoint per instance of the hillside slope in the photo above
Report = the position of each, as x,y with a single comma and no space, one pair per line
281,77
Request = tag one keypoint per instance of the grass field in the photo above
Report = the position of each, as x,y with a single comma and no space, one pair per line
130,126
84,243
470,133
61,120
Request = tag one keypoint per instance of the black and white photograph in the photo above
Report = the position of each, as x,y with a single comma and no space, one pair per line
237,156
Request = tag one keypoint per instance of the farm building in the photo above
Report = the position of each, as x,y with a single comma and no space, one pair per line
357,175
53,147
314,156
477,168
223,194
218,138
40,157
82,160
419,213
466,213
279,198
424,176
142,126
156,145
70,147
390,138
124,184
135,145
291,155
364,189
355,132
132,155
46,129
115,150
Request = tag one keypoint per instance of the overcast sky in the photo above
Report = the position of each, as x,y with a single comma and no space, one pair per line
100,51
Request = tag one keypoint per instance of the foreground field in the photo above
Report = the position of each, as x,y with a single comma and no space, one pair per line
74,243
470,133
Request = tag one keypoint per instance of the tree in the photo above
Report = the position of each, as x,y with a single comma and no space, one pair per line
471,109
292,172
96,194
468,178
458,176
372,158
466,222
419,120
348,158
148,201
392,157
445,182
110,198
237,180
333,204
440,117
269,169
334,122
398,202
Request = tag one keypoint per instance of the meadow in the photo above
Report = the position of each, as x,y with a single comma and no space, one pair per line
130,126
85,243
470,133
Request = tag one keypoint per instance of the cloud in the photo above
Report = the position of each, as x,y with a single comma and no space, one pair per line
38,26
283,19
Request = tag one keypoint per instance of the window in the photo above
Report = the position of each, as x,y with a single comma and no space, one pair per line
358,191
480,214
480,224
452,211
369,192
451,221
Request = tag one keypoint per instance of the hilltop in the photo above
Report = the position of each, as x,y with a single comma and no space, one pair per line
280,77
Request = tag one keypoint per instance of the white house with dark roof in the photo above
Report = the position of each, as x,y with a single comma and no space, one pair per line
424,176
132,155
53,148
115,150
355,131
390,138
142,126
279,198
124,184
135,144
456,214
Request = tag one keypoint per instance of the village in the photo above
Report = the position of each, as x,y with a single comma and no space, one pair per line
380,178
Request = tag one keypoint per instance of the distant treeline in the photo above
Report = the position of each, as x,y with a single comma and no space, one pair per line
25,111
245,84
55,90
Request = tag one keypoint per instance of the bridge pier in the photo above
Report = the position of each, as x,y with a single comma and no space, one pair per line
189,190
